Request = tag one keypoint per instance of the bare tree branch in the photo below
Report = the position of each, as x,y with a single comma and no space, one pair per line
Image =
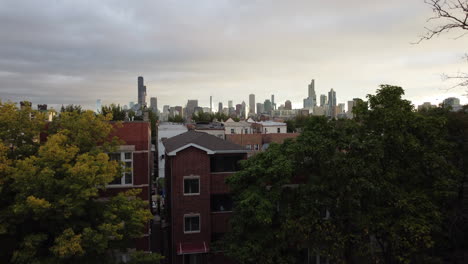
453,14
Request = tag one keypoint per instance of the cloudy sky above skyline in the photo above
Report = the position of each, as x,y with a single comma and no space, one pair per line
74,52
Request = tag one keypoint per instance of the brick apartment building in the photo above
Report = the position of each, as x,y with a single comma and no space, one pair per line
135,154
198,201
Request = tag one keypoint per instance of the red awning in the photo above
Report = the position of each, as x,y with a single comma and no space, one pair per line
192,248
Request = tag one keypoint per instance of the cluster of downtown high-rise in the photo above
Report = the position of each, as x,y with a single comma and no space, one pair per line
324,105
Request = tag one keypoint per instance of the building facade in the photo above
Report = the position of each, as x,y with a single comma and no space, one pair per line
198,200
136,155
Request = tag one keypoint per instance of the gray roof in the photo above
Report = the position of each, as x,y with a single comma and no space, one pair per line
210,143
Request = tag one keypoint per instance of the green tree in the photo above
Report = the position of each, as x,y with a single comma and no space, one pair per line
373,189
140,257
118,114
20,130
201,116
50,205
221,117
71,108
176,119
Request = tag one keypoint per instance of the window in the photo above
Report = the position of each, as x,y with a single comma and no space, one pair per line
192,223
256,147
265,130
248,146
232,131
246,131
278,130
224,163
221,203
191,185
126,161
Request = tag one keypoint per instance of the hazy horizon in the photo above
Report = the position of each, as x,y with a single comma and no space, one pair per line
69,52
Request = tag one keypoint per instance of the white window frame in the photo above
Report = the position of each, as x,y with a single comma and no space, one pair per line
278,130
191,177
248,146
124,171
233,131
199,223
256,147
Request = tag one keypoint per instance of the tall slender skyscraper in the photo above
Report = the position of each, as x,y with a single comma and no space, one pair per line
252,104
98,106
323,100
273,105
332,103
141,92
211,104
267,106
312,94
220,107
311,99
154,104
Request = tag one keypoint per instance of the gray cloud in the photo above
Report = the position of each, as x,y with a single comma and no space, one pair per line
77,51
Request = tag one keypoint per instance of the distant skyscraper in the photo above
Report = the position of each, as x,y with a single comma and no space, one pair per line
252,104
220,107
308,103
312,92
191,108
211,104
273,105
452,102
98,105
238,109
349,113
323,100
267,106
131,105
288,105
141,92
259,108
243,112
311,99
230,105
154,104
332,103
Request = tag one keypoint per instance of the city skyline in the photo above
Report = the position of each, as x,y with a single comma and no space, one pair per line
78,52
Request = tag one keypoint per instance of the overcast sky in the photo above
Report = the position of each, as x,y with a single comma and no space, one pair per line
74,52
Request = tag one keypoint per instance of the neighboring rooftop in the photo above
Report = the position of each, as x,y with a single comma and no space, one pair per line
232,123
270,123
201,140
210,126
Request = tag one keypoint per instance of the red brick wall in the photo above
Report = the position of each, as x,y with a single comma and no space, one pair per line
244,139
218,182
134,133
220,222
